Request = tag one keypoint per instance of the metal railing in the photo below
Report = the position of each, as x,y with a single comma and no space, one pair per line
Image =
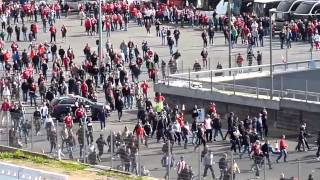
205,80
279,67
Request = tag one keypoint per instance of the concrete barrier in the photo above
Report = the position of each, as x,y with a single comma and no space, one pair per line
10,171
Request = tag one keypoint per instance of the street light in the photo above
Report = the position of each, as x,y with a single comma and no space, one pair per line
271,11
100,31
229,35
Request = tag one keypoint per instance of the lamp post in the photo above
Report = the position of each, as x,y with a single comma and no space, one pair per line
100,30
271,11
229,29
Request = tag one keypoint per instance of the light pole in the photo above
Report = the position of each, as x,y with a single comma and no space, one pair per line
100,31
229,35
271,11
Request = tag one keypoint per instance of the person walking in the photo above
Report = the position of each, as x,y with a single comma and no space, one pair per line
217,125
79,133
239,60
181,165
5,107
208,128
283,149
101,142
53,32
176,34
208,163
204,36
223,166
64,33
204,54
119,105
53,139
259,59
266,149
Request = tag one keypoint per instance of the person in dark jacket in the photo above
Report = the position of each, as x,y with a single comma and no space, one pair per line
119,106
266,149
217,125
101,142
196,66
223,166
245,143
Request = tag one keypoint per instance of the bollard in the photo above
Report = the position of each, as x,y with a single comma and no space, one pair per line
189,78
31,138
111,148
257,88
211,83
234,84
231,164
169,161
57,125
7,120
199,162
84,138
139,157
299,169
306,91
264,167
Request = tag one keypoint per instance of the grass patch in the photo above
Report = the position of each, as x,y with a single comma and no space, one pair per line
67,166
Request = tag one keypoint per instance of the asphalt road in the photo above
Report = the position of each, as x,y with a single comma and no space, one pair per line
190,46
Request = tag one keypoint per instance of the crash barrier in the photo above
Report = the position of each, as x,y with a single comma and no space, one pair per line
10,171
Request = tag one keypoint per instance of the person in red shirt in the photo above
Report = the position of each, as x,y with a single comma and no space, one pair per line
159,98
145,86
66,62
80,113
212,109
283,149
53,32
139,131
239,60
88,25
68,121
5,107
84,89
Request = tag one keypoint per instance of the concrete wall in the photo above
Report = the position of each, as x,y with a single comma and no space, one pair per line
282,114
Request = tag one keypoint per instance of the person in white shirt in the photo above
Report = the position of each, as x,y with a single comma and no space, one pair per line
208,128
44,112
177,130
181,165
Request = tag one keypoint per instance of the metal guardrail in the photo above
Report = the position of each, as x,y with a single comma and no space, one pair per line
266,67
257,91
12,172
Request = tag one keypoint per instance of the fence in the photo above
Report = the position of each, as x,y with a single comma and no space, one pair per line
161,159
253,80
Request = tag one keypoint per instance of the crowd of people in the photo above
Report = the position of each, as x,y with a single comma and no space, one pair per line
44,71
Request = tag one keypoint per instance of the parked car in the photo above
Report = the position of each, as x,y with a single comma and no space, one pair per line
62,105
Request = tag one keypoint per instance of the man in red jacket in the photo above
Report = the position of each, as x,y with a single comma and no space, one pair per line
80,113
283,149
53,32
84,89
88,25
145,86
5,107
68,121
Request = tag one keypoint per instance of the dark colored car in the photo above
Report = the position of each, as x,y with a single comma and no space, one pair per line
62,105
